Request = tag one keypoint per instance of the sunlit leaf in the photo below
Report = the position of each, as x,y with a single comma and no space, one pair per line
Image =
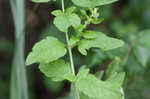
58,70
73,41
56,12
45,51
67,20
92,3
98,89
99,40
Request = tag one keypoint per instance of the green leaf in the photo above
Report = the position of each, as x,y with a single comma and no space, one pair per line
74,20
98,40
97,21
82,73
133,66
82,96
40,1
58,70
112,75
64,21
71,77
144,37
98,89
45,51
92,3
73,41
117,78
70,10
56,12
142,54
113,67
89,35
99,74
79,29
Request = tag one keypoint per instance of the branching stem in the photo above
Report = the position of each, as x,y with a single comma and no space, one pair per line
70,56
70,53
68,44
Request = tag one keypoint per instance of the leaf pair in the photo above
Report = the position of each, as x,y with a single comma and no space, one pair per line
47,52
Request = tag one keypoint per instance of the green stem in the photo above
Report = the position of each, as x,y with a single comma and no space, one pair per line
63,8
68,45
77,96
70,53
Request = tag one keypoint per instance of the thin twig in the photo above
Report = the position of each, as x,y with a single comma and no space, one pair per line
129,51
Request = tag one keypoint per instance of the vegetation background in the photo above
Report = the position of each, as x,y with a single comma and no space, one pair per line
128,20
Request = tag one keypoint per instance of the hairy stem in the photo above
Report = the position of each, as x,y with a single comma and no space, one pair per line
76,92
68,45
70,53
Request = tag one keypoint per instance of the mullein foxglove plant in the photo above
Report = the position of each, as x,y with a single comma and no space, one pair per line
49,52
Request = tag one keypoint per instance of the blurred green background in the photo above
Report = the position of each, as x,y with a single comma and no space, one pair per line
128,20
